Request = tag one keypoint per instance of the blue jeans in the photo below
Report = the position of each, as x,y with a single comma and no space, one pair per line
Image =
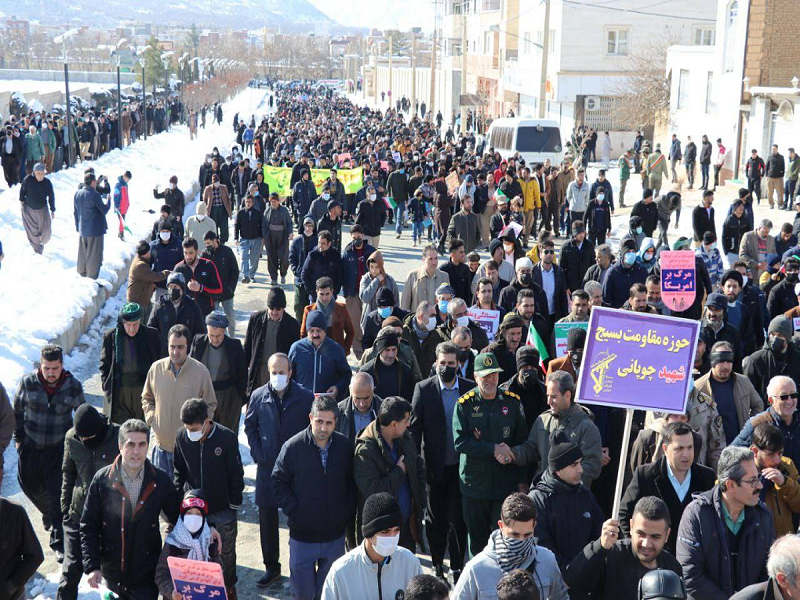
227,307
399,211
162,459
417,231
250,256
309,565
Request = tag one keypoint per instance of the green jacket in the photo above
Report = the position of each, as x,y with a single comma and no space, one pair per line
793,168
48,140
656,166
478,425
35,147
578,424
624,169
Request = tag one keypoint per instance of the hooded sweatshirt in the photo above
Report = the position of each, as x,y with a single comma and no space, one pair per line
368,288
647,244
482,574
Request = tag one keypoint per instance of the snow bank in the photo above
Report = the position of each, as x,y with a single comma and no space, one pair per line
41,294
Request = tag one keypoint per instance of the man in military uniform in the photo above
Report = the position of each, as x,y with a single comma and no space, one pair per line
486,424
706,421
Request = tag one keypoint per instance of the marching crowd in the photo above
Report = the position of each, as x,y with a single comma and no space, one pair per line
383,419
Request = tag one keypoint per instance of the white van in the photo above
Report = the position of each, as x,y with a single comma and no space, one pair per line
534,139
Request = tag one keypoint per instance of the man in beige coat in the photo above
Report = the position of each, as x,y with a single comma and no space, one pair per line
422,283
755,246
170,382
735,397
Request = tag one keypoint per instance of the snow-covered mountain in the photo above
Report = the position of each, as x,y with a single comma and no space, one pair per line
289,16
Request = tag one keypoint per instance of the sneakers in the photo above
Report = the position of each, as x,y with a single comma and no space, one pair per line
397,237
246,280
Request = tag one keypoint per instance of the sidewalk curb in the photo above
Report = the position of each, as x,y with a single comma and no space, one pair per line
68,338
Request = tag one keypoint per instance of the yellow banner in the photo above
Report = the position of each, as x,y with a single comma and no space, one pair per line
278,179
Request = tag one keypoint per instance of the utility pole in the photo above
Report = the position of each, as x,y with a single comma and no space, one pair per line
463,64
364,72
391,51
375,77
545,52
434,56
414,72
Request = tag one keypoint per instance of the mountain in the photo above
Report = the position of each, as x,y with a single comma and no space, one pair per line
286,16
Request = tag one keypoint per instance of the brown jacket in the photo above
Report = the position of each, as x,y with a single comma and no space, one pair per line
748,251
126,121
419,288
164,394
748,402
783,501
142,281
341,331
208,194
562,364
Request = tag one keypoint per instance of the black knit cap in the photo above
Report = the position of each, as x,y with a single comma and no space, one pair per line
384,297
88,422
527,356
381,511
276,298
576,338
194,499
563,452
386,340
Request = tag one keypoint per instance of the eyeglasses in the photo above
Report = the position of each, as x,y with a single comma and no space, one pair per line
785,397
751,482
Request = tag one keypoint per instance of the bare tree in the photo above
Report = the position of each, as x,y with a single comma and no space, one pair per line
645,88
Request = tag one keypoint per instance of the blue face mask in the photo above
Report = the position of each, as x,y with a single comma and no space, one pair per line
443,306
630,258
638,230
384,311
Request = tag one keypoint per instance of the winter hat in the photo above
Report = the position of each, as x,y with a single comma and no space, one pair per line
445,290
386,340
731,274
510,321
317,318
166,208
384,297
578,227
131,312
523,263
276,298
527,356
217,319
576,338
563,452
494,245
38,167
194,499
88,421
201,208
308,219
647,193
783,325
177,278
628,244
164,225
773,262
381,511
717,300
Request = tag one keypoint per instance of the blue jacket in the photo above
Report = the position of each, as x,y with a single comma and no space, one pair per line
318,502
268,423
320,368
121,183
166,256
791,433
297,254
319,264
90,212
350,260
617,288
303,195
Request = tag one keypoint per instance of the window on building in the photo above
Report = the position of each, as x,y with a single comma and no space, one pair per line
730,35
704,36
526,42
617,42
711,100
551,41
487,42
683,89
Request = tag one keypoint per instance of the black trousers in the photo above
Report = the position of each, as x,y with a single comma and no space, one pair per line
39,474
11,170
220,217
72,569
598,237
480,517
270,538
754,185
445,523
142,591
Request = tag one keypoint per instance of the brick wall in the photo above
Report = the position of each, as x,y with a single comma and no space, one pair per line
773,47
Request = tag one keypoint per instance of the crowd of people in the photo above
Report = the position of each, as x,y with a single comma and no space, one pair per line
384,421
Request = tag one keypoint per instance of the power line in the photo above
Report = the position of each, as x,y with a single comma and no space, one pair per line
639,12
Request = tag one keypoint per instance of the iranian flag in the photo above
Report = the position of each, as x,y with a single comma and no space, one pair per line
535,340
498,193
390,203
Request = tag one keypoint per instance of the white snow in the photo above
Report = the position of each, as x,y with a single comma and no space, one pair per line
26,86
43,293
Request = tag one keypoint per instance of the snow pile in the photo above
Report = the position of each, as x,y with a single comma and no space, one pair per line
43,293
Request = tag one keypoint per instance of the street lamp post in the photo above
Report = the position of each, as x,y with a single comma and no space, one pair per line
144,100
62,39
119,96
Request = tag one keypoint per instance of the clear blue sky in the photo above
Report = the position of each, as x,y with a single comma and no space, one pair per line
381,14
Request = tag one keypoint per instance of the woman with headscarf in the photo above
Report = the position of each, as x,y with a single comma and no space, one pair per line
373,280
190,538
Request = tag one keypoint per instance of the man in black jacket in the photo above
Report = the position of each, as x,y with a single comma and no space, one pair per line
391,376
523,269
228,270
36,195
433,404
322,261
20,553
207,458
647,210
386,307
89,446
175,308
675,478
576,257
317,496
458,271
703,217
556,290
268,331
610,568
778,357
782,298
248,233
225,360
370,214
775,170
202,278
117,547
128,351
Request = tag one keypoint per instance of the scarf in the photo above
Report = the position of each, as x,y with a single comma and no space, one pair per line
422,334
511,554
197,546
327,310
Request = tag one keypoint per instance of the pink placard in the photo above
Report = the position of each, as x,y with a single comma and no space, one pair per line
678,279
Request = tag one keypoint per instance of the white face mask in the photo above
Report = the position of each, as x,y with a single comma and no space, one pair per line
431,325
462,321
200,217
745,279
165,235
193,523
194,436
172,186
372,197
385,545
278,382
326,196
